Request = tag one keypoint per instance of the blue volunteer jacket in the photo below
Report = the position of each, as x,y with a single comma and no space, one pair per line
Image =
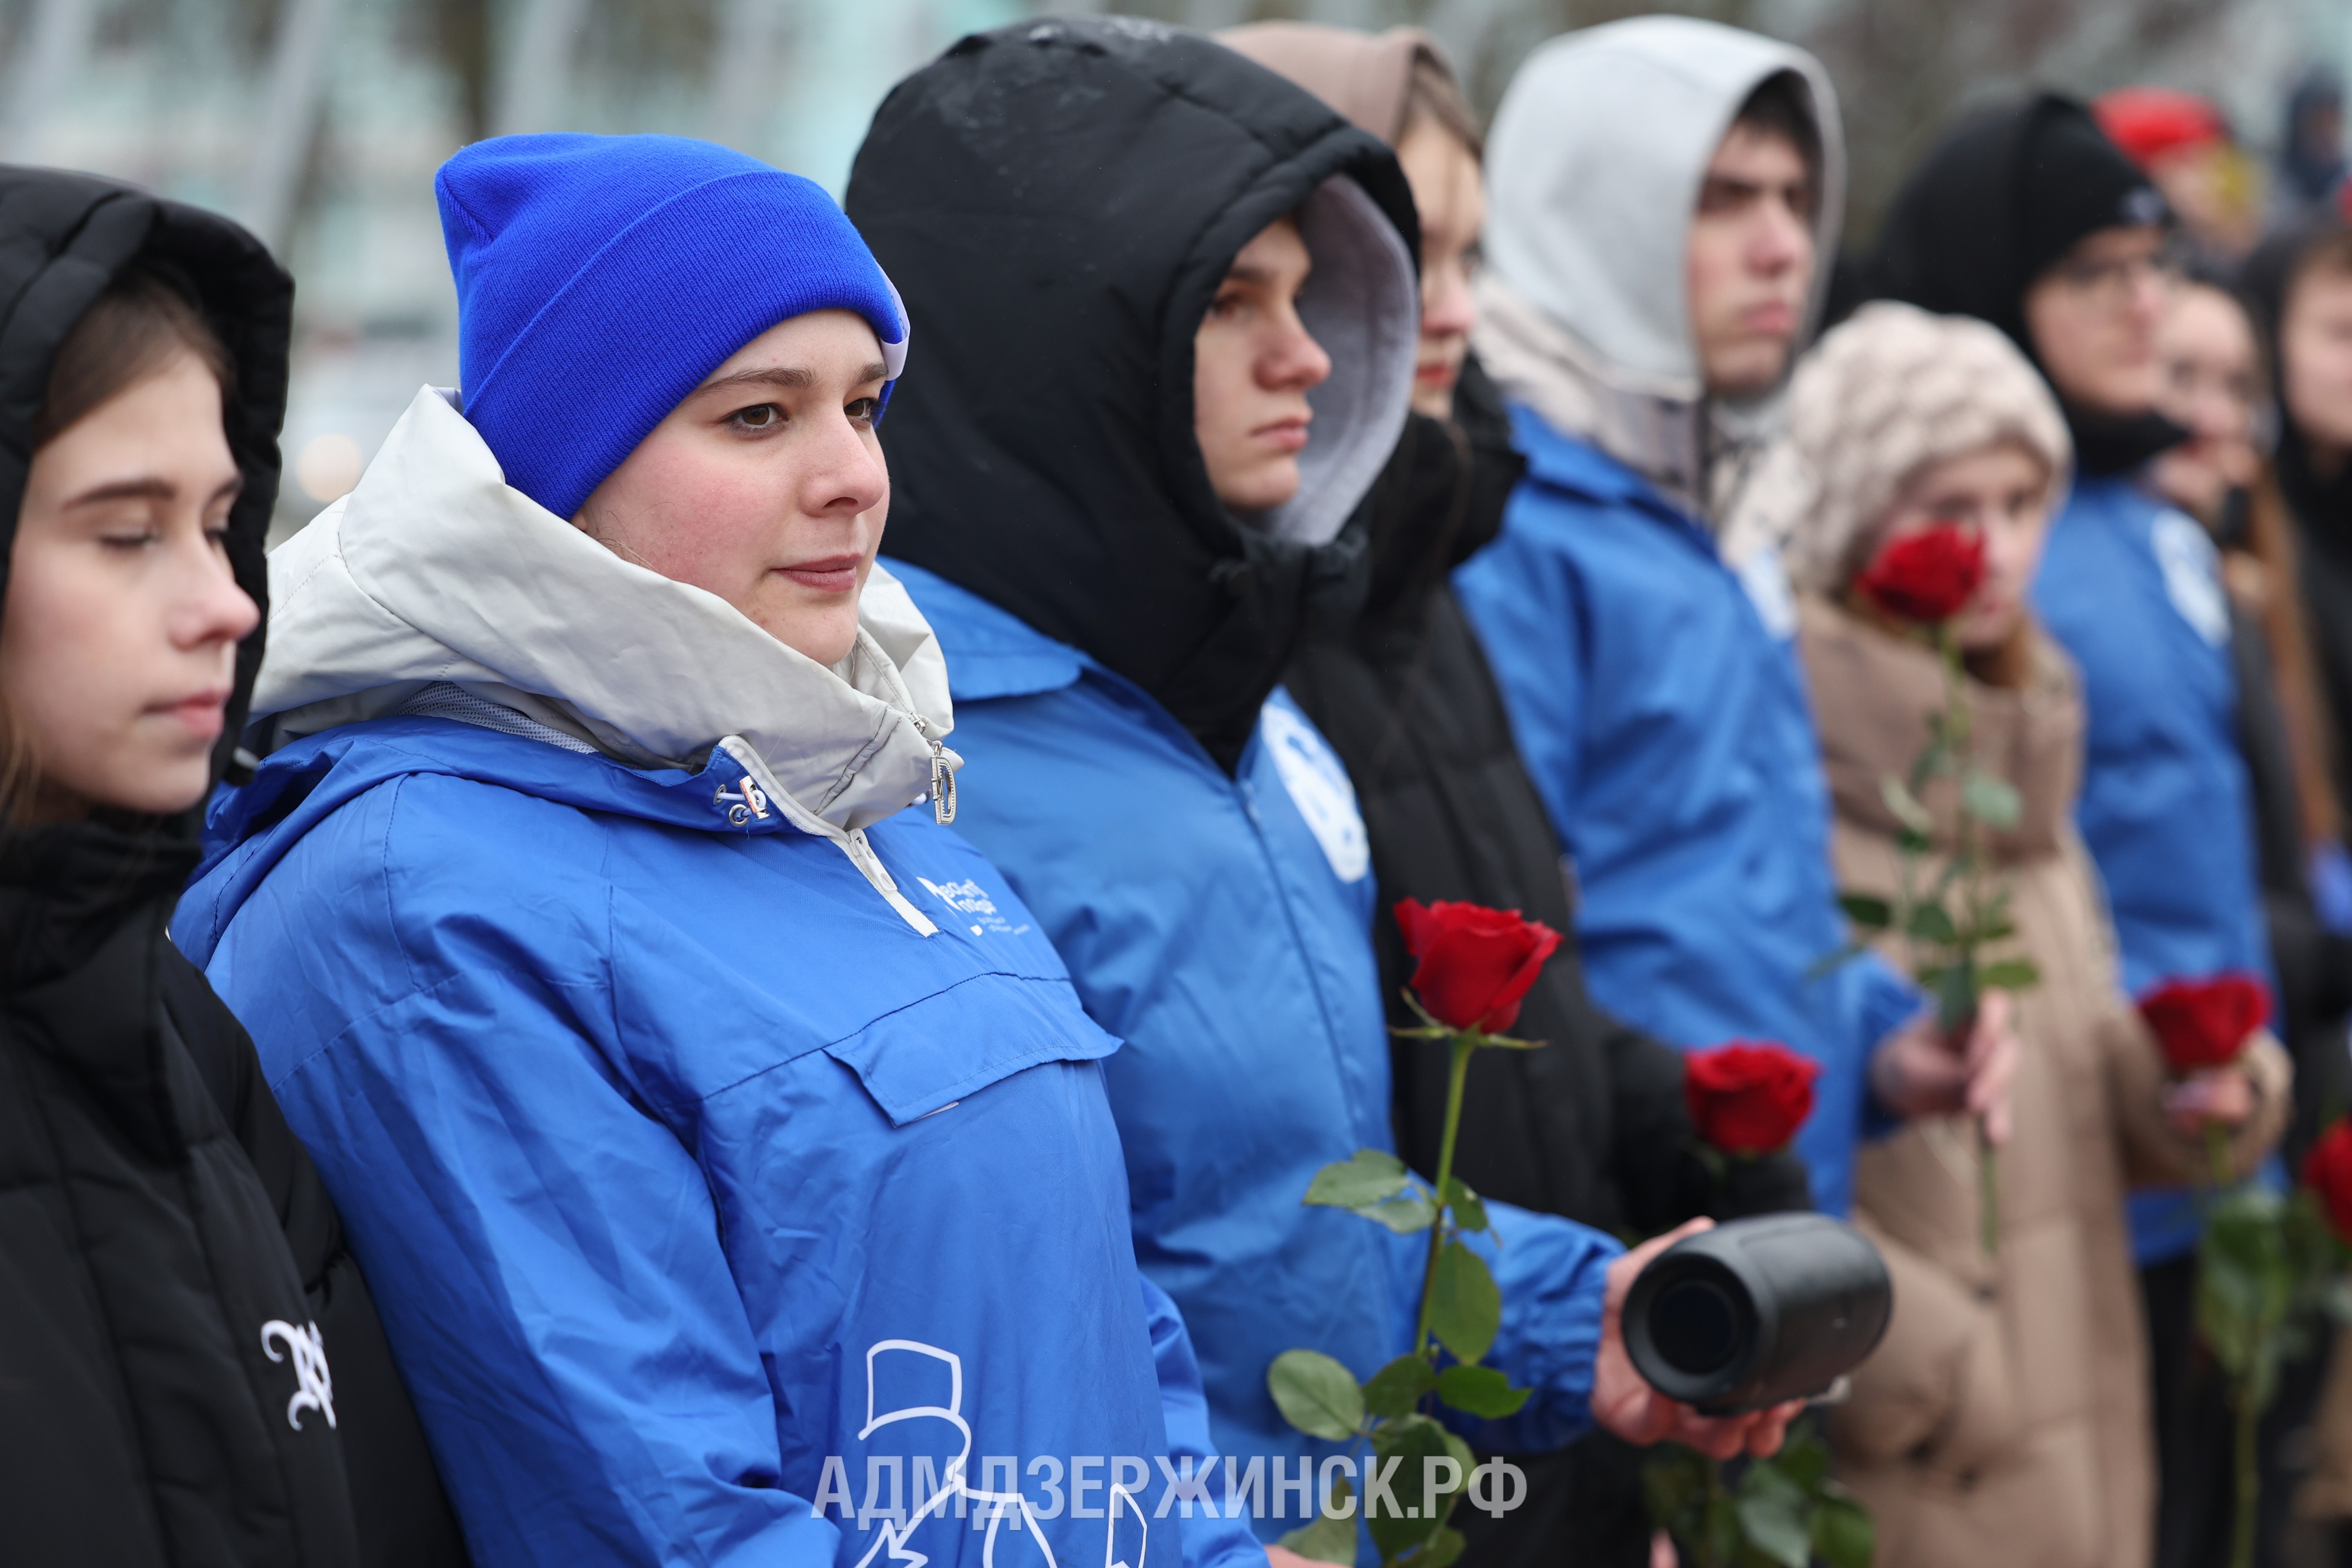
714,1213
1221,926
2132,587
1666,724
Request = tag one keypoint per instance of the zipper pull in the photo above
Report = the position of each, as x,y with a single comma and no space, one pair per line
861,855
943,782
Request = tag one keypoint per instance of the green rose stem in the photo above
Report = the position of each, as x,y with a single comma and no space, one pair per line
1460,1312
2217,1154
2242,1506
1956,737
2243,1405
1943,947
1457,1077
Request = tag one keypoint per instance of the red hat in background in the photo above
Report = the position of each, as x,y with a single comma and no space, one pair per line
2148,122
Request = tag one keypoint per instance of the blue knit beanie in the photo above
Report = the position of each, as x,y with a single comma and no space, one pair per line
601,279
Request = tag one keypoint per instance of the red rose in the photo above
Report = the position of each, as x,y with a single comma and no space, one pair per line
2205,1023
2327,1170
1477,964
1928,575
1749,1097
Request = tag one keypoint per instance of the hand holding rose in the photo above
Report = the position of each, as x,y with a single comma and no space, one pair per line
1918,1070
2203,1027
1748,1096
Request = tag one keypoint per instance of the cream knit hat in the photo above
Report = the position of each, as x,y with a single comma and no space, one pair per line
1890,391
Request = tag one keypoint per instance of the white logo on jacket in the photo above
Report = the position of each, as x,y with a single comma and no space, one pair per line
1764,577
314,1387
1319,787
2192,575
990,1509
970,900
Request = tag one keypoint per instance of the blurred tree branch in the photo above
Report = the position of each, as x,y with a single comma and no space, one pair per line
1904,69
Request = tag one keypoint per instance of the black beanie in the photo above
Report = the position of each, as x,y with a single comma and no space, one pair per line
2073,182
1996,204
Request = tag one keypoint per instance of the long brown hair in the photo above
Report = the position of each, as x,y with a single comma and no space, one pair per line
133,329
2271,595
2274,603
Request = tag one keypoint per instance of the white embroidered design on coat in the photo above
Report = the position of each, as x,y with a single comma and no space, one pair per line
995,1508
314,1385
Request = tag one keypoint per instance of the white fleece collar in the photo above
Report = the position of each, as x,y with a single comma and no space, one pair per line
435,569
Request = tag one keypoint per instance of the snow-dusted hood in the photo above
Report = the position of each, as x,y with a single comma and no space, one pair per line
1593,167
436,570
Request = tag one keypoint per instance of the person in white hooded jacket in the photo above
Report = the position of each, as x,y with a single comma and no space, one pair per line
1660,192
728,1141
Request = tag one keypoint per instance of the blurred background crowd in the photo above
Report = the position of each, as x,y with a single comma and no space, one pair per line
319,122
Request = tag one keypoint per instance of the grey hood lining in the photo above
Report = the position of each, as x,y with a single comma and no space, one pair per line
1362,303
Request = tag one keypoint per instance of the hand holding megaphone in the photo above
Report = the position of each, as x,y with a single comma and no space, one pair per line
1750,1315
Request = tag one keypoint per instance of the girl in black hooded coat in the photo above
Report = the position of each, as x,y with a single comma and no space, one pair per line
191,1369
1593,1126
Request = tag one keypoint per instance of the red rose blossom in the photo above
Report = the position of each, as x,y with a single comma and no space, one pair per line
1476,964
2205,1023
1928,575
1749,1097
2327,1170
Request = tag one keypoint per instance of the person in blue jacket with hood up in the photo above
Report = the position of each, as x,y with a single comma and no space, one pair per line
1660,191
1185,324
726,1138
2027,216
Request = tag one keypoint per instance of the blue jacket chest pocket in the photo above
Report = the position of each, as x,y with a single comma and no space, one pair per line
923,1057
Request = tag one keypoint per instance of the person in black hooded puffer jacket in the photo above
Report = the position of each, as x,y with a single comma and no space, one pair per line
190,1369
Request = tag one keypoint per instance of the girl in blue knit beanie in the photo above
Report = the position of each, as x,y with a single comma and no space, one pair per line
726,1143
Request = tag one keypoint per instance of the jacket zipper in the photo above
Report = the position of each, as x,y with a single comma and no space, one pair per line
851,842
861,855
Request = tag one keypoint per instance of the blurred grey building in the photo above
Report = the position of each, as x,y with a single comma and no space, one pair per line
319,122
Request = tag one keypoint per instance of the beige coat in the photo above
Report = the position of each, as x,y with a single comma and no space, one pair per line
2004,1421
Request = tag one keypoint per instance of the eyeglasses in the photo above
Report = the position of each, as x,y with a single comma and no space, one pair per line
2192,381
2112,280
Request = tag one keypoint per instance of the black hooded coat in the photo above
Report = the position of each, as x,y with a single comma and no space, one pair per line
1044,457
1593,1126
156,1215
